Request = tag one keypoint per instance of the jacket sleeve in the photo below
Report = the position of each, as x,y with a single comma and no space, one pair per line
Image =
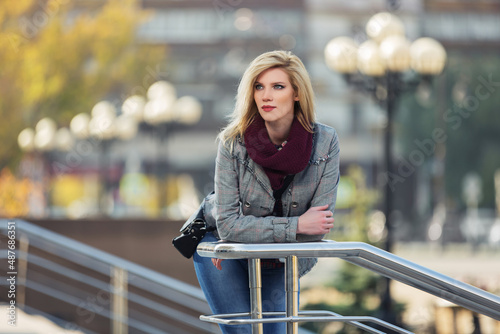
232,225
326,192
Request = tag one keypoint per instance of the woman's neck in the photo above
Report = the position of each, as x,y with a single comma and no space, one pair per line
278,131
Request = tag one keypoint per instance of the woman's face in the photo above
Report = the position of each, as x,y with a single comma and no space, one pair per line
274,96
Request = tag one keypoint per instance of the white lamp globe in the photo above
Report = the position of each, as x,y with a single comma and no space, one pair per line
341,55
188,110
126,127
26,140
45,139
382,25
102,127
102,124
428,56
64,139
395,53
159,110
134,106
369,61
46,123
79,125
160,89
103,108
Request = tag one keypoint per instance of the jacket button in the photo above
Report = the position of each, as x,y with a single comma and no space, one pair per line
247,205
295,204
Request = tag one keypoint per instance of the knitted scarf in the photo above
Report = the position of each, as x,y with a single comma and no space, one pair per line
291,159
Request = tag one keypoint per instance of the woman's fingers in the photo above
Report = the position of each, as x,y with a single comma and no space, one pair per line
316,220
328,225
328,216
217,263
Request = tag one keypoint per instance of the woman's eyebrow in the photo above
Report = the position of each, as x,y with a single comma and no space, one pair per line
272,83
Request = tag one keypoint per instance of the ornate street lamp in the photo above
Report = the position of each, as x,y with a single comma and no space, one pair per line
102,127
163,113
41,141
381,66
102,123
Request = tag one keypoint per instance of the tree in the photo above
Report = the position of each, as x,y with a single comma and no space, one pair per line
472,119
463,103
60,58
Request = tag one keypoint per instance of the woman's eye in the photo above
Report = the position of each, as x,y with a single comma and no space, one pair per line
258,87
279,86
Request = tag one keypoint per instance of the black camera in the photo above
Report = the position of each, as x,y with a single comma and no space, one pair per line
192,233
187,242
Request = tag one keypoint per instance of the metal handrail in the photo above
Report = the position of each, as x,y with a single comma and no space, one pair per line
369,257
139,277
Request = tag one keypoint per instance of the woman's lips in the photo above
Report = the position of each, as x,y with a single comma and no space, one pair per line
267,108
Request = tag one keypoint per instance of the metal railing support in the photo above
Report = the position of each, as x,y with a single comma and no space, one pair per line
255,283
24,244
292,292
119,304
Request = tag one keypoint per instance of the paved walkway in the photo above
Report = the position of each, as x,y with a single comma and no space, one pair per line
32,324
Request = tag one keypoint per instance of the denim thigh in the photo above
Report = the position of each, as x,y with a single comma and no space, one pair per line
227,290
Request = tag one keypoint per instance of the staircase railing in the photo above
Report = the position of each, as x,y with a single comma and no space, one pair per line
101,293
361,254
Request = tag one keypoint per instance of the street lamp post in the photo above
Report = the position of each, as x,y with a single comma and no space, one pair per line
381,66
166,113
104,126
157,113
41,141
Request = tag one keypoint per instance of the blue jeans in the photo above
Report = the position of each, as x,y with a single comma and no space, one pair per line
227,290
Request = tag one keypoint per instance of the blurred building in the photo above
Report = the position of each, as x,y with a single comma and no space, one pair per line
210,43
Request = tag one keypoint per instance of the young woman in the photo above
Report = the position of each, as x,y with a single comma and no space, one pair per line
276,179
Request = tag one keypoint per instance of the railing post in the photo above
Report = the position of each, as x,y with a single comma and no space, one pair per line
292,293
119,302
24,244
255,284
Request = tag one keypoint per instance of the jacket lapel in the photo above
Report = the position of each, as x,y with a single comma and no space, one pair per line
256,169
261,176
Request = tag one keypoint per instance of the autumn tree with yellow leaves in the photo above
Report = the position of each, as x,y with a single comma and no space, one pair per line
59,57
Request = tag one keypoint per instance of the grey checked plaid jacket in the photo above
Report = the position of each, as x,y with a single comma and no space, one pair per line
242,206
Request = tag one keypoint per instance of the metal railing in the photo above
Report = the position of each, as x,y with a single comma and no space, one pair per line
358,253
96,286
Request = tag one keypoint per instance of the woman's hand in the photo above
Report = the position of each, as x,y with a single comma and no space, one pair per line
316,220
217,263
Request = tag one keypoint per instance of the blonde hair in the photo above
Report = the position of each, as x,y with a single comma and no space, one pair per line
245,108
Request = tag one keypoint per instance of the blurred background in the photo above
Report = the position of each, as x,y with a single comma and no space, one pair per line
110,109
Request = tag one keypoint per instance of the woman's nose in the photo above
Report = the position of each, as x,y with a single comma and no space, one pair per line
266,95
